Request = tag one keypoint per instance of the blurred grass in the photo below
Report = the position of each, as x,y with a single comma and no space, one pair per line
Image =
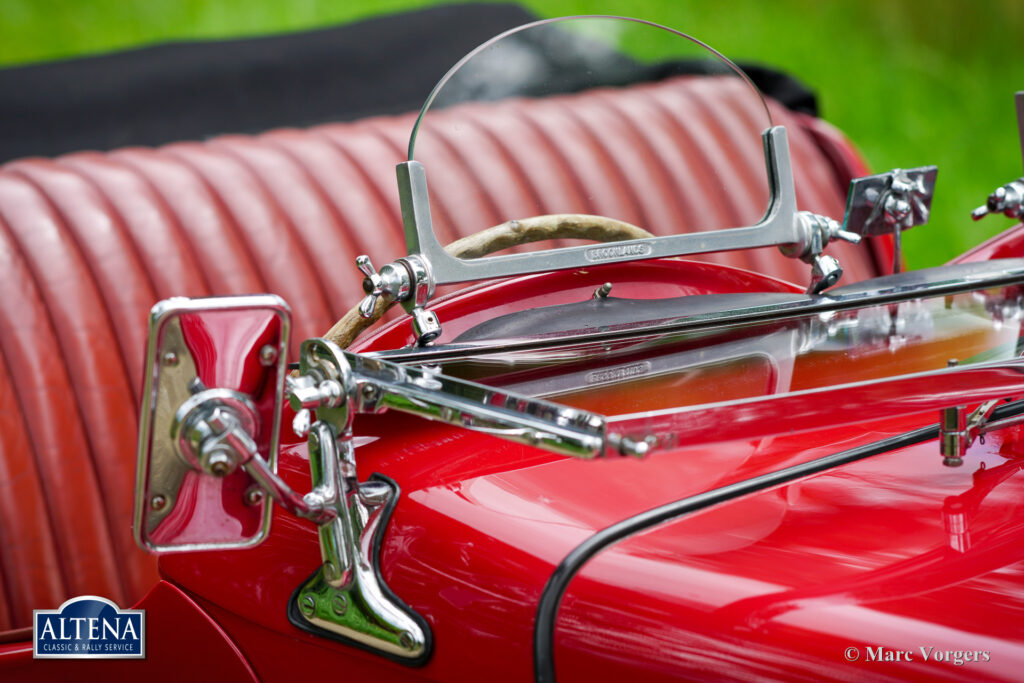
910,82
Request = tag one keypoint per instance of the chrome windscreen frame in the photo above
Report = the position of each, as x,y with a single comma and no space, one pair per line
777,227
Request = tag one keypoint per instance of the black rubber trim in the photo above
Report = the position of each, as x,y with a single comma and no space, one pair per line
558,583
299,621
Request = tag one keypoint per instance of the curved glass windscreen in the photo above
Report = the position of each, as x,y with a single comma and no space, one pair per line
602,116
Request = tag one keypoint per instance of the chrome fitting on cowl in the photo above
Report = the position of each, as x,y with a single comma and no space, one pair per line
407,281
1007,200
814,233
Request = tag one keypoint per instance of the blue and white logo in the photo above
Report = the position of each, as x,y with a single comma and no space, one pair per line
89,627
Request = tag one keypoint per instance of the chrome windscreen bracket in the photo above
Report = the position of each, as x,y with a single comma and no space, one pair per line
411,280
777,227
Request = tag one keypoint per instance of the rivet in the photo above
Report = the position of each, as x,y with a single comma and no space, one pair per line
339,603
405,640
308,605
253,496
170,359
158,502
268,355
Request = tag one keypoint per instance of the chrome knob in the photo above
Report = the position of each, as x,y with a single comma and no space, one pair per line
373,285
1007,200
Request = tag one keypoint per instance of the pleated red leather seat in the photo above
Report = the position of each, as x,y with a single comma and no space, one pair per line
89,241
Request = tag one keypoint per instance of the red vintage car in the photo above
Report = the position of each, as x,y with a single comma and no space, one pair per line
603,460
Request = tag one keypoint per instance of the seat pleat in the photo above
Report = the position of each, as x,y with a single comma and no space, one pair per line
489,164
690,121
707,196
393,139
742,145
28,551
223,256
369,182
554,184
601,188
624,158
125,288
119,285
65,363
281,262
667,173
365,225
158,239
316,229
739,144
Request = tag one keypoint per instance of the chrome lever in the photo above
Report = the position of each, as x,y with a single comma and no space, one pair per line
373,285
1007,200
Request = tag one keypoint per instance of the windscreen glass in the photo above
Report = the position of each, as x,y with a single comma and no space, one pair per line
594,115
742,361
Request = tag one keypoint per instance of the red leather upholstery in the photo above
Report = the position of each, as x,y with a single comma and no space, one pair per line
88,242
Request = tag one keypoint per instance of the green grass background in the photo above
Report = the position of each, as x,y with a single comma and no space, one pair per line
911,82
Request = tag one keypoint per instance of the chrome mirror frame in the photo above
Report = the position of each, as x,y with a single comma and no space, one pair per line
174,398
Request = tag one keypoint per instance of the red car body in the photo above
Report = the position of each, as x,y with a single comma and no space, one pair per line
889,565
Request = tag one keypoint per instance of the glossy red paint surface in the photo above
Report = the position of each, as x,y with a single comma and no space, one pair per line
1007,244
182,643
776,584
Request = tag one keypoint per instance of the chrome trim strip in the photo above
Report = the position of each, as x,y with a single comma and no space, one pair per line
753,314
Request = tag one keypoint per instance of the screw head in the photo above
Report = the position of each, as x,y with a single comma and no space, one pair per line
158,502
339,603
220,464
405,639
268,355
308,605
170,359
254,496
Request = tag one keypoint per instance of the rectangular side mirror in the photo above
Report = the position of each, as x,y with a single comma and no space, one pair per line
214,387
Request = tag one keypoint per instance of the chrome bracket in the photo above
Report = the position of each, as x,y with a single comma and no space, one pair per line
346,598
1008,199
958,429
889,203
814,234
409,282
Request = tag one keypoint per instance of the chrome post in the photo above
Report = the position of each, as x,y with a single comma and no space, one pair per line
953,435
